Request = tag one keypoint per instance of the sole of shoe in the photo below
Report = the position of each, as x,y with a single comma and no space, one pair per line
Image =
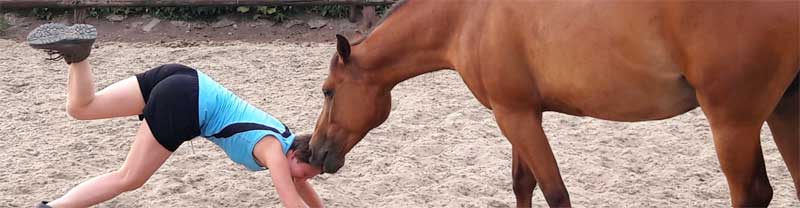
54,33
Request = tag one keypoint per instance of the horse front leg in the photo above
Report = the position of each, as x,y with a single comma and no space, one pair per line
523,179
523,128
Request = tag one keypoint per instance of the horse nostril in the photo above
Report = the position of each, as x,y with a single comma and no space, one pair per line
318,157
324,155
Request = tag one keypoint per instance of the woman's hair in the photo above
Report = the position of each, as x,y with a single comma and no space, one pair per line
300,147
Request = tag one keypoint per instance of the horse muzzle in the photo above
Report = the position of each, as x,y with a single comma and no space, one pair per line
330,161
332,164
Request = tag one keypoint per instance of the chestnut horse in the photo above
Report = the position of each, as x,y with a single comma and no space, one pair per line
614,60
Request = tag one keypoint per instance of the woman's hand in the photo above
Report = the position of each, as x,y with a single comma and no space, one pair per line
307,193
270,152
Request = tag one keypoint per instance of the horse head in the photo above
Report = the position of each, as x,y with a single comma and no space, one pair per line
356,101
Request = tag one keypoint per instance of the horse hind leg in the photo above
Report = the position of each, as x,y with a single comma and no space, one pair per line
739,152
785,126
736,127
736,110
523,179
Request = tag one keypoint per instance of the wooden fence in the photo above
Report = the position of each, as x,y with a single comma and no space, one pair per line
81,5
160,3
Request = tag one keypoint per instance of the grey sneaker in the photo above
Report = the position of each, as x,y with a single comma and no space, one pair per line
72,43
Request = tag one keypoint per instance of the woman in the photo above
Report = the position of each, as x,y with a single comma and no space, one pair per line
176,103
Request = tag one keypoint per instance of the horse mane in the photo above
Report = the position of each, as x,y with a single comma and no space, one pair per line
392,9
388,13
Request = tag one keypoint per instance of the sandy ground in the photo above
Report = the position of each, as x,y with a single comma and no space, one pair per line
439,147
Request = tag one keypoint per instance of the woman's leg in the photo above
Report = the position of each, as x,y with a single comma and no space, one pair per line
145,157
123,98
74,44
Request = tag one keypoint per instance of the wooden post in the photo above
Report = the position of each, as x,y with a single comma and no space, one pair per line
354,11
368,19
79,15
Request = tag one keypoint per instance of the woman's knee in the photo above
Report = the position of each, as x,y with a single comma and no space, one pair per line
130,181
78,112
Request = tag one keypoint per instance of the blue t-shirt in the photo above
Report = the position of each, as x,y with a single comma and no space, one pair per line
234,125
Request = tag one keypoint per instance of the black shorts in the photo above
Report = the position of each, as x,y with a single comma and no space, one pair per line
170,96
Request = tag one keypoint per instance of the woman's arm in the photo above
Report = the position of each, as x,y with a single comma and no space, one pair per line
307,192
270,152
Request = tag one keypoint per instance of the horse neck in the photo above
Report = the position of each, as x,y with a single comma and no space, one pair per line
409,43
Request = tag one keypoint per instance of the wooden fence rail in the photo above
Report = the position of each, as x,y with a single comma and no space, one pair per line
81,5
160,3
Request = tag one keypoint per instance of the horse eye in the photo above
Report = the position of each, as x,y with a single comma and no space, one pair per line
327,92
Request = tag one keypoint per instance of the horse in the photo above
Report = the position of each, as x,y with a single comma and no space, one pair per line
614,60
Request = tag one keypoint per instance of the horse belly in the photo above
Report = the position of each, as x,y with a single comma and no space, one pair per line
611,63
625,98
634,81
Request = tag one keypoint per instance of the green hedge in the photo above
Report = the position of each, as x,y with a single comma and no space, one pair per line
274,13
3,25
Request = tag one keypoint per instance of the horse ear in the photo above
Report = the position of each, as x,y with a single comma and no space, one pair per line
343,47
